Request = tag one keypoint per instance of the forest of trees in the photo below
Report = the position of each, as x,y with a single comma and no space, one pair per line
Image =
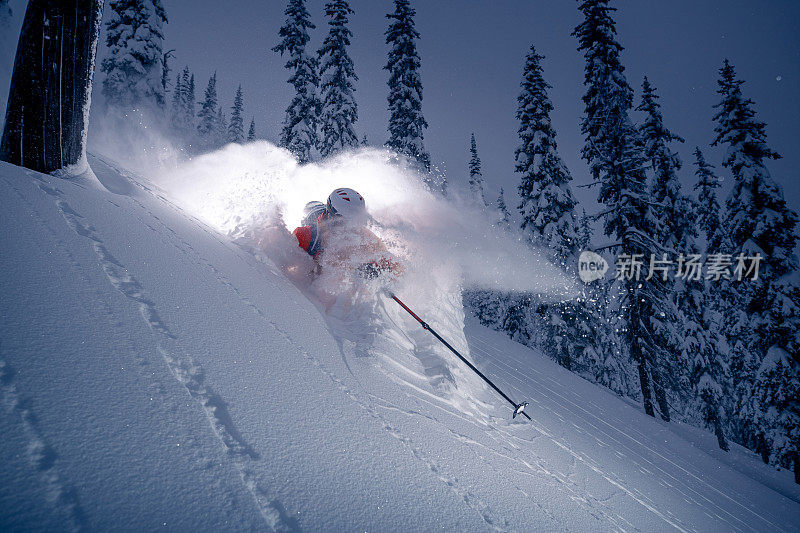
718,348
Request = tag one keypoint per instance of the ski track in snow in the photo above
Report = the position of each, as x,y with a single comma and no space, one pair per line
182,367
689,493
41,456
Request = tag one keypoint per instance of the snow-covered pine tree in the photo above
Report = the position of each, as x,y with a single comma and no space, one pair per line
207,115
775,397
47,116
299,133
547,209
705,347
134,66
678,235
251,133
708,209
364,140
547,205
236,126
337,75
220,128
758,221
183,106
406,123
504,217
665,164
476,184
617,164
176,109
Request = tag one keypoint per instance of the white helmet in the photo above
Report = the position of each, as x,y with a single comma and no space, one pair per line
346,203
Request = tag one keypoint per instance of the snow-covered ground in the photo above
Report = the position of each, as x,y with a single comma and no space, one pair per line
154,374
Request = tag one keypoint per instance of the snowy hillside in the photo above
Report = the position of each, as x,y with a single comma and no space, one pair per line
153,374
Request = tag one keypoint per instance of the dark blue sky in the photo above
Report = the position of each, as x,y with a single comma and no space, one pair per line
472,56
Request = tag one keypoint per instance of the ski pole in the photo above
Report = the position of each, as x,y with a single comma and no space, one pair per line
519,408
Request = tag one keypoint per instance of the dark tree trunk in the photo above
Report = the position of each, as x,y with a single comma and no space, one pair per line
51,85
660,393
637,352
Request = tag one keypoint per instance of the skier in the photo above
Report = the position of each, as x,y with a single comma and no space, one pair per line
341,226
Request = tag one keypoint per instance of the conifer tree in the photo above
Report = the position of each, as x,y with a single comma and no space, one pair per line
183,106
406,123
678,233
505,216
758,221
547,205
617,164
134,65
299,132
251,133
207,116
704,345
665,164
476,184
708,209
190,100
236,126
339,110
547,209
220,128
178,105
364,140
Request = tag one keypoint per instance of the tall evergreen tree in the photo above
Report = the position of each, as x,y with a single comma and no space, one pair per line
502,209
339,110
708,209
251,133
134,65
758,221
183,106
178,93
220,128
673,206
406,123
299,132
704,346
190,99
548,211
678,233
547,205
617,164
236,126
207,116
476,184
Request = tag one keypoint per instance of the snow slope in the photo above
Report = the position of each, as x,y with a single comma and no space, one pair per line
155,375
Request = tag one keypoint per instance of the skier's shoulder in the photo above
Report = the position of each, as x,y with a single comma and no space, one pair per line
308,238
